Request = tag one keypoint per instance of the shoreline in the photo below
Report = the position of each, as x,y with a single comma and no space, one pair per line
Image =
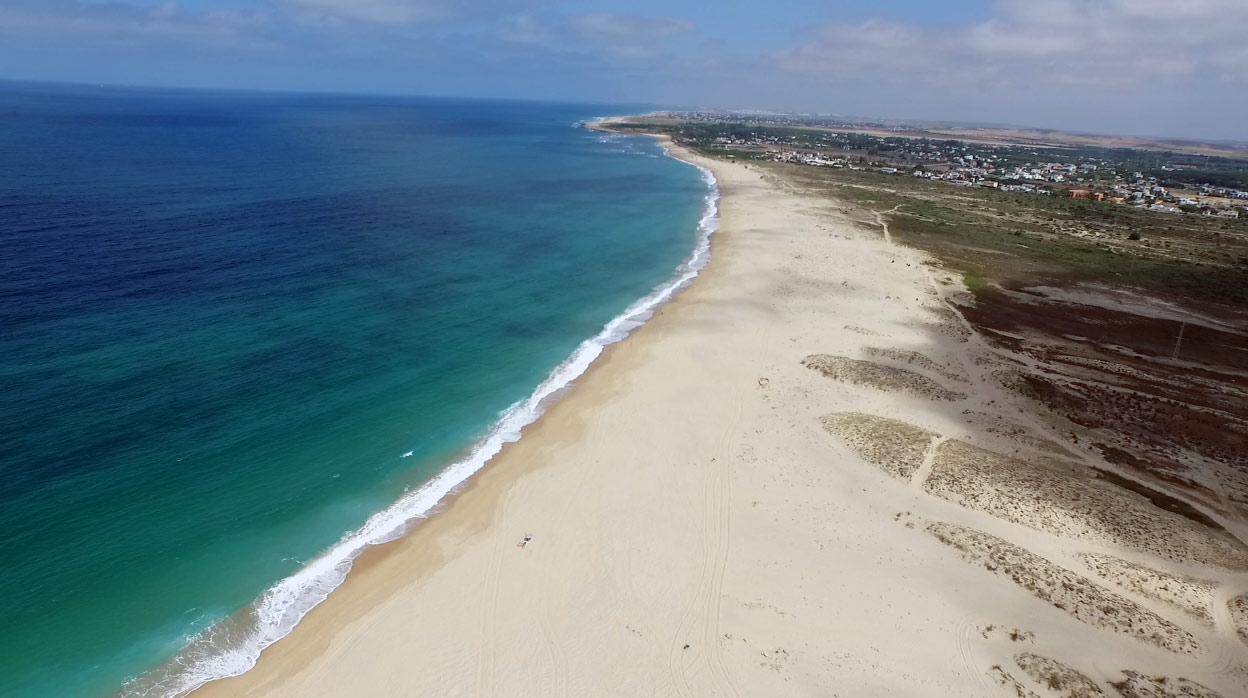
700,527
329,571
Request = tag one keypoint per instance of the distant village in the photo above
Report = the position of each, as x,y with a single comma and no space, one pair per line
1075,173
1049,179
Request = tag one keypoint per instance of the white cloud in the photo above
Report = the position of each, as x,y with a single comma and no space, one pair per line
165,11
628,28
620,36
129,23
391,12
1114,43
526,30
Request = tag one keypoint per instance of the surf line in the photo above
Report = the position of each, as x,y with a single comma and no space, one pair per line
232,646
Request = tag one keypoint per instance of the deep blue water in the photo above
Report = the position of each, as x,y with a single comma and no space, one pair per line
226,317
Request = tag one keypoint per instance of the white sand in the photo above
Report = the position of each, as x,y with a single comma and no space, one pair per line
697,532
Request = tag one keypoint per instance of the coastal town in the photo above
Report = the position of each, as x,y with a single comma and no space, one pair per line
1159,181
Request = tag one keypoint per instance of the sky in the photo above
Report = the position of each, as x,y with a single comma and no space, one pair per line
1174,68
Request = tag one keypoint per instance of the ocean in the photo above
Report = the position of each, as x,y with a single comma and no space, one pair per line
244,335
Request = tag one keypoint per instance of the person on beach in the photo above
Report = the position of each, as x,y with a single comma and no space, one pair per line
527,537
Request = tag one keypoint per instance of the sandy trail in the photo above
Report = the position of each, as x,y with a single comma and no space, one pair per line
696,530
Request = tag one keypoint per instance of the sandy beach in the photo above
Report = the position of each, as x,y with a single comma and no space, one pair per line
784,484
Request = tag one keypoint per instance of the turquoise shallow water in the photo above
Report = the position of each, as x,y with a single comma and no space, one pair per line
235,326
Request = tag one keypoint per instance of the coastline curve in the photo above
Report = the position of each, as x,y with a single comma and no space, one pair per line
232,646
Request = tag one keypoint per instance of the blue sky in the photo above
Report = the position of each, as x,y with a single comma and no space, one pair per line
1155,67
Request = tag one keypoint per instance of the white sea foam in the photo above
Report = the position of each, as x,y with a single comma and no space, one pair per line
233,646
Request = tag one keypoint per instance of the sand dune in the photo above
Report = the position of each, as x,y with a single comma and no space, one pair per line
1192,596
1060,679
1065,590
879,376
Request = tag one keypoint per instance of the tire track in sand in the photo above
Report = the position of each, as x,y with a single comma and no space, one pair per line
487,661
677,654
1229,649
966,653
708,597
723,540
558,656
